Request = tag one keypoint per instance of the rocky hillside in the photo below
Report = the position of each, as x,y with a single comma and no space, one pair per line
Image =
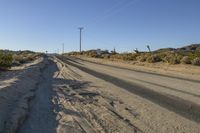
192,47
188,48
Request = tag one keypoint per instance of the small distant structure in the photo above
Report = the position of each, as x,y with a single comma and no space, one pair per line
113,51
136,51
99,51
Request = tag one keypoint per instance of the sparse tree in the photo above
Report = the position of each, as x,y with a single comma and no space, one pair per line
148,47
114,51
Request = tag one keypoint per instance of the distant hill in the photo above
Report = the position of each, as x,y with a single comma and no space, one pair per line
165,49
191,47
17,52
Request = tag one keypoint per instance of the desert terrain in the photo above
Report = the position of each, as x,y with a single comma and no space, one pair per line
99,66
66,94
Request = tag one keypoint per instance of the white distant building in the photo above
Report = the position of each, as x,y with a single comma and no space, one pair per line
100,52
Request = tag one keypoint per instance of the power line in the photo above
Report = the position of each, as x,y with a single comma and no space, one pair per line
116,8
113,10
105,12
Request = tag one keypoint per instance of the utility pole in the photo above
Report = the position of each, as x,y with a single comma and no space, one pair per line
58,51
80,28
63,48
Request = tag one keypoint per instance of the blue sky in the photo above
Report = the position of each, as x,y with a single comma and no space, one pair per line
42,25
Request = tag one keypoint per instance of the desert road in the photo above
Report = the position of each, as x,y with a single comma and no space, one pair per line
70,95
178,95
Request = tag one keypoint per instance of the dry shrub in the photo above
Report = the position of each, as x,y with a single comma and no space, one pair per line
154,58
126,57
116,56
196,61
172,59
92,54
134,56
185,60
106,56
24,58
5,60
141,58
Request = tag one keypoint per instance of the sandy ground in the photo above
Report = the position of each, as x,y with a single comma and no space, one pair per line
52,95
86,108
16,90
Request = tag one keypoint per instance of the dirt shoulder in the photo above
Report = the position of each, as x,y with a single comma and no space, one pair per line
180,70
16,90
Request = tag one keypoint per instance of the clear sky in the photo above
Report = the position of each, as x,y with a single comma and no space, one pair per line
42,25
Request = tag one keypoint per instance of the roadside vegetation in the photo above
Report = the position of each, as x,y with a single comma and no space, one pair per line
12,58
6,60
185,55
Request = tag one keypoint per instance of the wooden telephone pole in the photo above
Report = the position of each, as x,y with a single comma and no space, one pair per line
80,28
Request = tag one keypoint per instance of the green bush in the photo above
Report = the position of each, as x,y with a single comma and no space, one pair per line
196,61
185,60
5,60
